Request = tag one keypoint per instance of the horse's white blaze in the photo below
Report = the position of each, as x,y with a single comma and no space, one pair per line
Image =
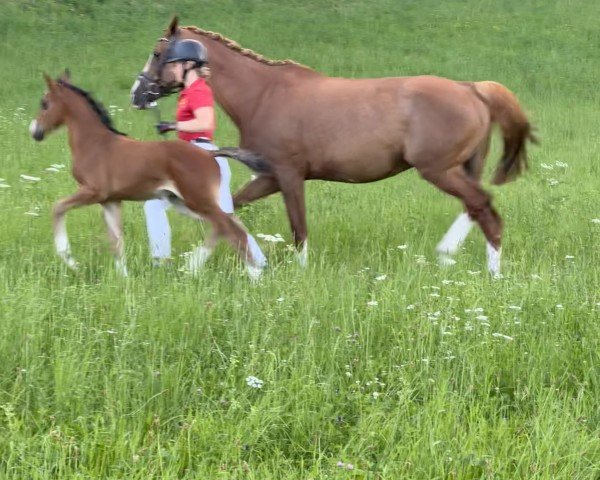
303,254
33,127
493,257
454,238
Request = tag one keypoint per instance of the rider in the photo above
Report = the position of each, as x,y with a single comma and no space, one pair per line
187,62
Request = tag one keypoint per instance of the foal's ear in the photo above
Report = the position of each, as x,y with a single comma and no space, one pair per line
172,29
66,75
49,81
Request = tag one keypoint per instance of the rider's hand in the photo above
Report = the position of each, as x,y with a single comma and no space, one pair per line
164,127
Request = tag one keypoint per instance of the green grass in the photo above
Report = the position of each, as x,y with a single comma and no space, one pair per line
145,378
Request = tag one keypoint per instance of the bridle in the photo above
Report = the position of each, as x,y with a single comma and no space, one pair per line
154,89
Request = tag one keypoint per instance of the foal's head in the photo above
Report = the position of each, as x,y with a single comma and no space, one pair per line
53,109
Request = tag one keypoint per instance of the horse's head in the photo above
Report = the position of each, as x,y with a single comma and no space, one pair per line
52,109
156,81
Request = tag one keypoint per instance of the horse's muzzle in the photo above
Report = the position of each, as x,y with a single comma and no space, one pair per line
37,132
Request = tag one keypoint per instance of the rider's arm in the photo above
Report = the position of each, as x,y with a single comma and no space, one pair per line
203,121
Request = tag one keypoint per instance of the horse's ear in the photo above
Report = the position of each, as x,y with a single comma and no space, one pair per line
66,75
173,26
49,81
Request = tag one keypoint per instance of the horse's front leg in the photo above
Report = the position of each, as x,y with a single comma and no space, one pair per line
61,239
292,187
112,217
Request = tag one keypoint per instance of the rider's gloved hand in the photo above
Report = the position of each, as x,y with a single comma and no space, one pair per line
164,127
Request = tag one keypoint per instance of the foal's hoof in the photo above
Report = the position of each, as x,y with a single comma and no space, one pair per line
445,260
254,273
70,262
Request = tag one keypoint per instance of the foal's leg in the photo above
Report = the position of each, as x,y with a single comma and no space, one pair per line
456,182
61,239
202,253
292,187
112,217
260,187
228,228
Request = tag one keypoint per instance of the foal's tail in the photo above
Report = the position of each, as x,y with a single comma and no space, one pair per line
253,161
516,129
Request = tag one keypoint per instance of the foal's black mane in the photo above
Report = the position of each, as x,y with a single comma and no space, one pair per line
95,105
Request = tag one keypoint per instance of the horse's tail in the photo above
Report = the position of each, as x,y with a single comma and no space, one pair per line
516,129
253,161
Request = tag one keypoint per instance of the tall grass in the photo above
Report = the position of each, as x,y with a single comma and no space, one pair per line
375,362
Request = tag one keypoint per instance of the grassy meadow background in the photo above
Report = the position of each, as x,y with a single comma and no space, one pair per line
375,362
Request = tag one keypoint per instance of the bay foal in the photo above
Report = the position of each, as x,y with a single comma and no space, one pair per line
110,167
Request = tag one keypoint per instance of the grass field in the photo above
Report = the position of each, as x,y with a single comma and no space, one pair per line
375,362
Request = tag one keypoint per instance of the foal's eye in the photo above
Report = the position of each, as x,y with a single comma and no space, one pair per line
44,105
156,54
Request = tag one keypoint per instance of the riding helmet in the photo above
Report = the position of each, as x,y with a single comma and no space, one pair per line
187,50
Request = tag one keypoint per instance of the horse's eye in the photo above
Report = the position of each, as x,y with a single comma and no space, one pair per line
155,54
44,105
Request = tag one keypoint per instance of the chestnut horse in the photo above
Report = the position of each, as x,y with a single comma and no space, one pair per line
310,126
110,167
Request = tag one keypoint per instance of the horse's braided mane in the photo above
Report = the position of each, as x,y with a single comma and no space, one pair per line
95,105
236,47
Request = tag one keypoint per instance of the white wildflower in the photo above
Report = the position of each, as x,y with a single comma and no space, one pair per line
58,166
481,318
535,276
501,335
52,169
472,272
280,299
596,221
447,282
29,178
32,213
559,307
254,382
271,238
435,295
410,307
381,278
545,166
569,257
561,164
402,247
372,303
4,185
552,182
376,395
514,307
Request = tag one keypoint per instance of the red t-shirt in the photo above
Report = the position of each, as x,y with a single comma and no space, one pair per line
196,96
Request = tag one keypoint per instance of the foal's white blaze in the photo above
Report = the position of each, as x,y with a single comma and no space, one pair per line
32,127
454,238
303,254
493,256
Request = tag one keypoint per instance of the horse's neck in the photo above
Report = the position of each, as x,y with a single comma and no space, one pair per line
84,127
237,81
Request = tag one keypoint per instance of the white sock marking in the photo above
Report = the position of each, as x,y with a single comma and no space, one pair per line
456,235
303,254
493,257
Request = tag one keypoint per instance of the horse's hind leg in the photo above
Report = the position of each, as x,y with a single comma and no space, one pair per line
477,202
112,217
459,230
